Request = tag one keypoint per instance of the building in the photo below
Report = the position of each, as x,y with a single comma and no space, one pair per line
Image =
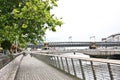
112,38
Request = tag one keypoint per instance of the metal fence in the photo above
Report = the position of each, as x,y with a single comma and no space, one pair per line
5,59
10,66
84,68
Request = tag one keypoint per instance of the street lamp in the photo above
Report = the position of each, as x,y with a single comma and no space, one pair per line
70,38
16,43
92,37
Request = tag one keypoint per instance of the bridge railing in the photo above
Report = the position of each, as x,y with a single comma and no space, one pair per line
84,68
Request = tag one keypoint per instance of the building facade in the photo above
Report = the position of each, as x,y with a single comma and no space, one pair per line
112,38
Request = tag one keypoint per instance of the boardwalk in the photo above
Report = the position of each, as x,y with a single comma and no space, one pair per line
33,69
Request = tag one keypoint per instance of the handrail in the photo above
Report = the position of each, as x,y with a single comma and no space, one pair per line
9,67
5,59
86,59
83,68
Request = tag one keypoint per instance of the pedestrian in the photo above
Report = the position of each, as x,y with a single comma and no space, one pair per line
74,53
31,54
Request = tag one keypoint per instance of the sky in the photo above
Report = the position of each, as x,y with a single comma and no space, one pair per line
86,18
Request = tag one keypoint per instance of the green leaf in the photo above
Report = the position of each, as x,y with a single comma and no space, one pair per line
53,29
24,26
15,11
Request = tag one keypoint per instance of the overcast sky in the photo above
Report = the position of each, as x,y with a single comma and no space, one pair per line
85,18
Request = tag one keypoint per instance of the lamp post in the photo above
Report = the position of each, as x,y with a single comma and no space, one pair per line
70,38
16,43
92,37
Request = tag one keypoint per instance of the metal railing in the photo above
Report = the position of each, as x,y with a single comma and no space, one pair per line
84,68
10,66
5,59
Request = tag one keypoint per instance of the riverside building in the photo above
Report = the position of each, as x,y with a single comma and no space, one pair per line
112,38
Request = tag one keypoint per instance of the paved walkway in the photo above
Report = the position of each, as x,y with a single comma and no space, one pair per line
9,71
33,69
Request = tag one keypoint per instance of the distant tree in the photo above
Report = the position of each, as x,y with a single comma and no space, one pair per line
26,20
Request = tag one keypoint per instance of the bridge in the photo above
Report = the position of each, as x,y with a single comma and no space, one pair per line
41,66
93,53
75,44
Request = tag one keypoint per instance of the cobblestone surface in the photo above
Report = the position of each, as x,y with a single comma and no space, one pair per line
33,69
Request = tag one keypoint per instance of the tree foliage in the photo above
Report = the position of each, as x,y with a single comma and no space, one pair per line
6,44
27,20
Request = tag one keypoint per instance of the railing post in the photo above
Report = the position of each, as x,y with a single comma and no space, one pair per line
94,76
110,71
82,71
73,67
58,61
67,65
55,62
51,59
62,64
46,59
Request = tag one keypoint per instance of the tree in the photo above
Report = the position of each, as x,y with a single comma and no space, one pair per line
27,20
6,44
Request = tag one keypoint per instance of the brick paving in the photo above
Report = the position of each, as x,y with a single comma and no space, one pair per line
33,69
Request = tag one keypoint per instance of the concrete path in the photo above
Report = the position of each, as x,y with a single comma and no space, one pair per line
33,69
